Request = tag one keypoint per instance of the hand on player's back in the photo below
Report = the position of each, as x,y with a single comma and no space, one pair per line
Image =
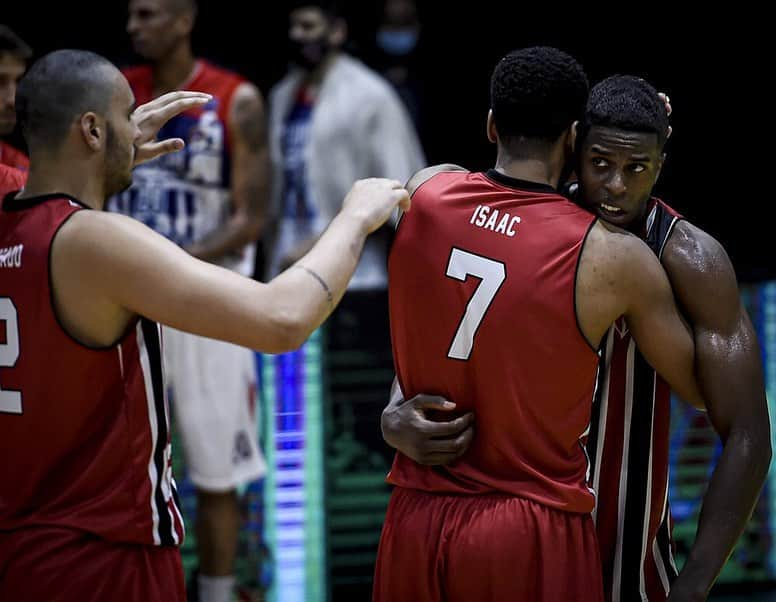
407,427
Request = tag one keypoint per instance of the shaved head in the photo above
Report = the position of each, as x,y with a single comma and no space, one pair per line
58,88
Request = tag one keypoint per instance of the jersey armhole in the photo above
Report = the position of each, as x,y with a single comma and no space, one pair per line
576,276
674,222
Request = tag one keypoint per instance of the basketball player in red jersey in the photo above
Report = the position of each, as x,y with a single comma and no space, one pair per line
88,509
620,155
14,54
513,263
210,200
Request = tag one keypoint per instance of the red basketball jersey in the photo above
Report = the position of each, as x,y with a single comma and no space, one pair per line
11,179
481,284
84,432
13,157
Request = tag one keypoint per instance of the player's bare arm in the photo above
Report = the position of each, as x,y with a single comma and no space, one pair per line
107,268
730,376
619,275
249,177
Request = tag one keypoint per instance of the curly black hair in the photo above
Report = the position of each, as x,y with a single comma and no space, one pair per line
537,93
627,103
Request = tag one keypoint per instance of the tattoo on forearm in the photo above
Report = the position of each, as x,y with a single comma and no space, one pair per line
321,281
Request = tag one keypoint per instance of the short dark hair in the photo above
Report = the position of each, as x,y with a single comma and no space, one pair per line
57,88
627,103
331,8
179,6
12,44
537,93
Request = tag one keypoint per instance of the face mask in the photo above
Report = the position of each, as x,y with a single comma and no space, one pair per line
308,55
397,42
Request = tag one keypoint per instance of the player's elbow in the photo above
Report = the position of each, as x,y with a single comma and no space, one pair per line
290,330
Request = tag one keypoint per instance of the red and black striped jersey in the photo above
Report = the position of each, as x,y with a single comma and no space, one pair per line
628,446
84,432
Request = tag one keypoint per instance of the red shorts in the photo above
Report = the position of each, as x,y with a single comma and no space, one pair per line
485,548
63,565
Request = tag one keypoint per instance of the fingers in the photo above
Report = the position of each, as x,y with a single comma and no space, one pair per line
455,445
402,197
405,202
151,150
170,97
444,457
432,402
166,111
448,428
464,440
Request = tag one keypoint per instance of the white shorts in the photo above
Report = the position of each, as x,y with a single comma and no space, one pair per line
213,386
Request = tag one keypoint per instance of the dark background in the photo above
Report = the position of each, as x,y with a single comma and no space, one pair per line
713,63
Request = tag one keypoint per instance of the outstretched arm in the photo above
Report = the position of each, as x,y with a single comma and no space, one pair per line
106,268
731,380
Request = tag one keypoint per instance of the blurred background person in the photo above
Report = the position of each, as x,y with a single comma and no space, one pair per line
397,55
333,120
209,199
14,54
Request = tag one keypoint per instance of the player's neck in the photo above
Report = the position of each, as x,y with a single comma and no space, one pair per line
530,170
57,177
175,70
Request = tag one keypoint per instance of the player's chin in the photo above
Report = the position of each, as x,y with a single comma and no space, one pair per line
120,184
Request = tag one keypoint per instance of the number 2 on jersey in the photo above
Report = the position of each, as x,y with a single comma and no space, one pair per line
10,401
492,274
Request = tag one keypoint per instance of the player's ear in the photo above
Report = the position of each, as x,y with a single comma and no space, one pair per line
491,128
572,136
91,130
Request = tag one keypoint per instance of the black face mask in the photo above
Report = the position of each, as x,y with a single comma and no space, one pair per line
308,55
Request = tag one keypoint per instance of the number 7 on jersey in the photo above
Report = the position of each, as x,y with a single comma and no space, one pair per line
492,274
